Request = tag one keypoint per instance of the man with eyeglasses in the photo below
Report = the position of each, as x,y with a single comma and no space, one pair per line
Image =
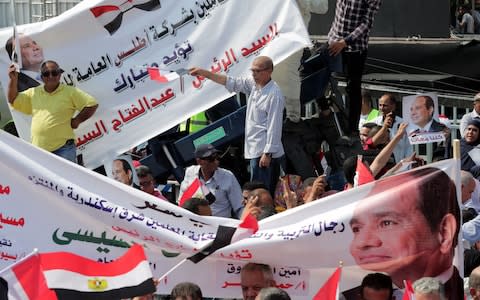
53,107
263,122
32,59
147,182
219,185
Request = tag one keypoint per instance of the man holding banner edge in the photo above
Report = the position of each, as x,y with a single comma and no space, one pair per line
52,107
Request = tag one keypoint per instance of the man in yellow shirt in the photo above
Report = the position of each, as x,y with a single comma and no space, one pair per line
52,106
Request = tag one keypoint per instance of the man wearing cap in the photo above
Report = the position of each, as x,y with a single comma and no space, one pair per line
475,114
219,185
52,106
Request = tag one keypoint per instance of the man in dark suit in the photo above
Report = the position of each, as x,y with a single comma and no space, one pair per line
408,228
32,59
122,172
421,113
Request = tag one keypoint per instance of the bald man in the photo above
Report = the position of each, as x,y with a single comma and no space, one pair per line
263,122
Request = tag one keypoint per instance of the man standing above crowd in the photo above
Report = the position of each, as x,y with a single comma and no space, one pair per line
387,105
349,36
286,73
263,123
225,194
52,106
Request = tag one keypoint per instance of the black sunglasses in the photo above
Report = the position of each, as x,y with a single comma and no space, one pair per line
53,73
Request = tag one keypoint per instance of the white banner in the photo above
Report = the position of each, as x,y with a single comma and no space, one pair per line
105,47
51,204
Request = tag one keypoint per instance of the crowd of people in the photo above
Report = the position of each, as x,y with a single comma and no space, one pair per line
224,196
378,153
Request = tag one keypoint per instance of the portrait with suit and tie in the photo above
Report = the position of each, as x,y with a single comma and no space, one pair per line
421,112
31,60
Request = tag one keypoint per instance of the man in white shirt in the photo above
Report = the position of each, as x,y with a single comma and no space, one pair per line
475,114
286,72
220,187
263,123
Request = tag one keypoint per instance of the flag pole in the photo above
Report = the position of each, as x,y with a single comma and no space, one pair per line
456,149
16,56
34,252
172,269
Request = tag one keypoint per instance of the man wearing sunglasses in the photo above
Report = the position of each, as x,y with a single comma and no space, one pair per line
53,107
219,186
263,122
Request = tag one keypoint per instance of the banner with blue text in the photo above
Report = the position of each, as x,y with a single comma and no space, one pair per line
105,48
405,225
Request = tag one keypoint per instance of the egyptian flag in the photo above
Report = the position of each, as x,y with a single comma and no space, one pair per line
162,75
362,174
74,277
197,190
193,191
330,290
25,281
227,235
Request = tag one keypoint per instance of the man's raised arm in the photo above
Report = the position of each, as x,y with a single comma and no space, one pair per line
218,78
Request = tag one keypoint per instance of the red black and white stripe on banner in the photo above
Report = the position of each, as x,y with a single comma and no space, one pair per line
227,235
75,277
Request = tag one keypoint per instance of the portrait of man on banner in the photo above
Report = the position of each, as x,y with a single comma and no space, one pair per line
408,227
31,58
421,113
122,170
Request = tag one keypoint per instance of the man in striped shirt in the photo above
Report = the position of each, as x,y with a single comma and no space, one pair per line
348,36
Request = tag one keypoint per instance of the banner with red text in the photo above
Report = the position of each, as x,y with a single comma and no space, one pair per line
51,204
107,46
